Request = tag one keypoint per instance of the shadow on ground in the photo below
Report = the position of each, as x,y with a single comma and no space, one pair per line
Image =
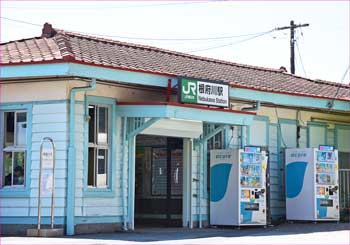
174,234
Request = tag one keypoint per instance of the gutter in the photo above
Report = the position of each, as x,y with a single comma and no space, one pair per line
71,168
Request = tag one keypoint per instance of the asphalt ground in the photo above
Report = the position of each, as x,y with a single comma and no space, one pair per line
296,233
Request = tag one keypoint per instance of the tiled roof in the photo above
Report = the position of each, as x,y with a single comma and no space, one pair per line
59,45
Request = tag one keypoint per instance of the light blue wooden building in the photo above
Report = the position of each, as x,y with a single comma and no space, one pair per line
128,152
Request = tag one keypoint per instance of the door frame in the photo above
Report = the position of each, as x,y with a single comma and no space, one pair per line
187,220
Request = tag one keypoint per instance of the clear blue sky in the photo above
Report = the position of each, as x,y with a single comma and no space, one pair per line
323,46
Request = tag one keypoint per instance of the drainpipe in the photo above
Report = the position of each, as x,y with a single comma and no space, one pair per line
71,168
200,182
190,181
255,107
123,174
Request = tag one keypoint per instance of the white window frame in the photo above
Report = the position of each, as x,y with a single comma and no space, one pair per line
13,149
100,146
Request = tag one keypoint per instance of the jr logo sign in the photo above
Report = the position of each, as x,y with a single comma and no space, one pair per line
189,91
205,93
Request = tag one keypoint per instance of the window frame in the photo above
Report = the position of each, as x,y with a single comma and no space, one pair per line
309,135
109,190
96,146
17,190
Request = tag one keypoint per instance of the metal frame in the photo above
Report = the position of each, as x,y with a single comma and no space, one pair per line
53,181
131,128
344,190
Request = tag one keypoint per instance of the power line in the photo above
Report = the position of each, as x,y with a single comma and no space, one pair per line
175,39
230,44
20,21
330,104
344,75
87,7
301,61
149,39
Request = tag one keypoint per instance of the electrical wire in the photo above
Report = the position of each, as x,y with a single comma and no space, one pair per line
20,21
151,39
331,103
87,7
230,44
299,54
301,61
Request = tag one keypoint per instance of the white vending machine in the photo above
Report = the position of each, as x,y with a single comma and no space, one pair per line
312,184
238,187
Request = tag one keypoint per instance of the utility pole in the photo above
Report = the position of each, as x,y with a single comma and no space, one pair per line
292,28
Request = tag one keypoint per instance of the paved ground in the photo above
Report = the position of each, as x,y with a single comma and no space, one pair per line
321,233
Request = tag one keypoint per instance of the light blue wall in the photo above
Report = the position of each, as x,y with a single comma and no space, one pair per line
317,134
20,192
95,202
51,119
100,202
342,137
44,120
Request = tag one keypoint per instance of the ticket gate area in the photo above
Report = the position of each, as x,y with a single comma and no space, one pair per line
159,185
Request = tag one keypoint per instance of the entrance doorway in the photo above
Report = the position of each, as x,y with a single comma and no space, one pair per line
159,181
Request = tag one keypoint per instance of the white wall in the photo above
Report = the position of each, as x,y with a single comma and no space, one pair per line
33,91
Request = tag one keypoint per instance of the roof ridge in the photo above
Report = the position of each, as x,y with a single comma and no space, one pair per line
319,81
21,40
66,50
142,46
331,83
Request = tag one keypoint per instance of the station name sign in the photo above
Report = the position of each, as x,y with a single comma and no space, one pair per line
203,92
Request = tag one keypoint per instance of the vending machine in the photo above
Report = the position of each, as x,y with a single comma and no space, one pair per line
312,184
238,187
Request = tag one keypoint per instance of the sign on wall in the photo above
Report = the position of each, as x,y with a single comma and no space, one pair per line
203,92
47,158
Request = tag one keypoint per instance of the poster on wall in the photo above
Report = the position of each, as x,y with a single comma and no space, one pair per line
46,184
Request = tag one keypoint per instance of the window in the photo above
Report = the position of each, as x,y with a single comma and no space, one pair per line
14,148
98,146
344,160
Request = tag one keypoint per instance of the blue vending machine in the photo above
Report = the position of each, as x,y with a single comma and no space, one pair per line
312,184
238,187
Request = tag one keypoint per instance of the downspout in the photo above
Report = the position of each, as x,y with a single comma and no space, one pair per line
123,174
200,183
190,181
71,168
227,139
